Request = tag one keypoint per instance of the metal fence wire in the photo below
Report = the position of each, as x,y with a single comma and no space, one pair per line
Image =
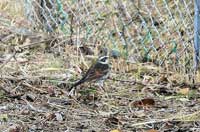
159,31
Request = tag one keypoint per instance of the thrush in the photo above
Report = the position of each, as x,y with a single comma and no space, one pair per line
97,72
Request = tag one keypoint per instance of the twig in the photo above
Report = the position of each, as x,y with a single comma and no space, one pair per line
32,107
10,94
127,81
32,78
16,48
34,88
156,84
13,55
150,122
176,118
33,44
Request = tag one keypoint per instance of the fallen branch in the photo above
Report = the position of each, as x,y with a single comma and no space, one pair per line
182,117
194,85
9,58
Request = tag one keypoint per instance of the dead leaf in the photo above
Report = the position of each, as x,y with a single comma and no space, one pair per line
50,116
15,128
86,50
112,121
115,130
144,102
152,130
51,91
184,91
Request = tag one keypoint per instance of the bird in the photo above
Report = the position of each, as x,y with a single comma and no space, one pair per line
98,71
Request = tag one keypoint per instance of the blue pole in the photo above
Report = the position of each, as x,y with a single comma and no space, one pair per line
196,32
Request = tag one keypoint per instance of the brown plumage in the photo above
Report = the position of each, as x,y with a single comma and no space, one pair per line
97,72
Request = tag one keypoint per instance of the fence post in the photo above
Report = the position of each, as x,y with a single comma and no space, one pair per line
196,32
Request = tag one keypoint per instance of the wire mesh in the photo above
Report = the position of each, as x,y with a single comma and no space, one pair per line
197,31
159,31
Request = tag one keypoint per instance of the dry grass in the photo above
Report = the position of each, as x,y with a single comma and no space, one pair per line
37,70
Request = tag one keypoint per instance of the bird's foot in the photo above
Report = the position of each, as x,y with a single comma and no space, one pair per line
72,92
102,88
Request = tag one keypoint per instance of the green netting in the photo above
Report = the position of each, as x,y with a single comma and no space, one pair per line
159,31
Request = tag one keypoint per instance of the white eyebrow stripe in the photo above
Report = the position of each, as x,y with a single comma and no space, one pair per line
103,62
103,57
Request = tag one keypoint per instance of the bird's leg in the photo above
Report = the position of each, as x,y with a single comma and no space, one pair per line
101,84
72,92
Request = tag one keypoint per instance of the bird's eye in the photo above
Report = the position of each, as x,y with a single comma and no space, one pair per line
103,59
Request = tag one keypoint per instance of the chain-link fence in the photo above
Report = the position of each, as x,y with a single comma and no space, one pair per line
197,31
158,31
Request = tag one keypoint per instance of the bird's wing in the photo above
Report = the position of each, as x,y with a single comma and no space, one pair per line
92,73
86,77
96,71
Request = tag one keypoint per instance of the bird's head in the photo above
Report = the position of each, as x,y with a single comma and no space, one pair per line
103,52
103,55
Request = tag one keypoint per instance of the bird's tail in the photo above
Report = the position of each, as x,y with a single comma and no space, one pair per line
76,84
